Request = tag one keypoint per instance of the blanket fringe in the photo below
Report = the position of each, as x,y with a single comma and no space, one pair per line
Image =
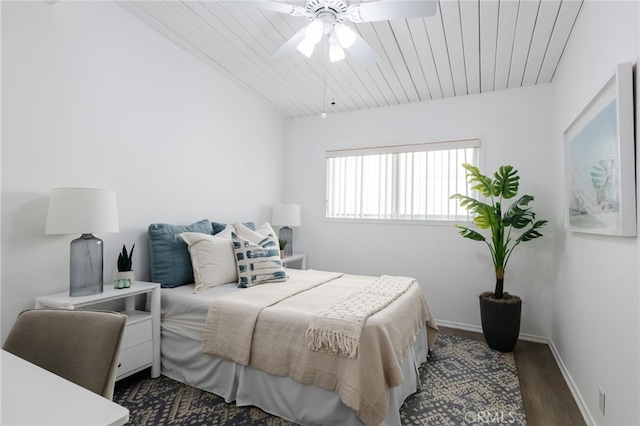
336,329
326,341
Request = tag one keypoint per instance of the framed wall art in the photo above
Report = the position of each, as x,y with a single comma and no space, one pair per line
600,161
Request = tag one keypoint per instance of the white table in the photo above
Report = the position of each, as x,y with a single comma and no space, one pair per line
295,257
34,396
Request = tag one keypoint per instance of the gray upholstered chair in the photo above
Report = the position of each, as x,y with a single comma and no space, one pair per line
81,346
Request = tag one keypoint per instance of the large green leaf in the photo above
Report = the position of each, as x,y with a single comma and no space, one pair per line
506,182
486,217
518,216
471,234
470,203
480,182
532,233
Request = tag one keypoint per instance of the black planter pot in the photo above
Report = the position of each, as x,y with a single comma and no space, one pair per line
500,322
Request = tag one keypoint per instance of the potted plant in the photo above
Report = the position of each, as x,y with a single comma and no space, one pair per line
125,275
282,243
499,311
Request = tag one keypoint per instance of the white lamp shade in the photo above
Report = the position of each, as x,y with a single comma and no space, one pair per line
336,53
313,32
82,211
285,215
306,47
345,35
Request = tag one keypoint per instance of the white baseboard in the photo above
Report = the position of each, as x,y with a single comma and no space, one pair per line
538,339
572,386
459,326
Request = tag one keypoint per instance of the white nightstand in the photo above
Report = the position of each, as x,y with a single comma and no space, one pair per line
140,347
302,258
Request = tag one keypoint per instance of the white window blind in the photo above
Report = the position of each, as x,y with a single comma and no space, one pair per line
401,182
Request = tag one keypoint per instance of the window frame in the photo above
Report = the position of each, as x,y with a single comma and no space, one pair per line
470,142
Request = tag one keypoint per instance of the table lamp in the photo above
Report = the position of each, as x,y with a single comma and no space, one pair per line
83,211
286,215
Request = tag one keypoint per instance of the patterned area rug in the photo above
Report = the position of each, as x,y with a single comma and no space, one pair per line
464,382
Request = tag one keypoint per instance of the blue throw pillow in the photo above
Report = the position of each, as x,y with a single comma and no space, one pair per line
170,260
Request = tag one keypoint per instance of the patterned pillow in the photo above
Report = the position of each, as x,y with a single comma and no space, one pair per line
258,263
253,235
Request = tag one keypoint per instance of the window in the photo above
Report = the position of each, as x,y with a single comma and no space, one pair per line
402,182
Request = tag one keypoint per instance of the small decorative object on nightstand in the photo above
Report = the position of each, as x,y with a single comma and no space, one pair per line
283,243
125,275
140,347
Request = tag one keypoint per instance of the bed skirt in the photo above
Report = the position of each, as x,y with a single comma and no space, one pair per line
182,360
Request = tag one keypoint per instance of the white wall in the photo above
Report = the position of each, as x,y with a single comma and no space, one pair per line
93,97
596,316
453,271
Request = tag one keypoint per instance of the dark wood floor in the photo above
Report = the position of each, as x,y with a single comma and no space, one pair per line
546,396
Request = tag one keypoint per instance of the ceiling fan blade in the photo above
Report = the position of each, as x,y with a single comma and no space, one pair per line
391,9
364,53
289,47
289,9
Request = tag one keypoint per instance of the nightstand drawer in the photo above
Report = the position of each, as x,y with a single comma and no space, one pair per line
135,358
138,329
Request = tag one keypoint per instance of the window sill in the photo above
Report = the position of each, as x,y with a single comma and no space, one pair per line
398,222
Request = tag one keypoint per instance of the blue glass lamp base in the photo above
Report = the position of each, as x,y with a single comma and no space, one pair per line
86,270
286,233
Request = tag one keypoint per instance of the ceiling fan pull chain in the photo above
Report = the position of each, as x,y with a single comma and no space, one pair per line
333,86
324,83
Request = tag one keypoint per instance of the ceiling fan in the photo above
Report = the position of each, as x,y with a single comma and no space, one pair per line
327,19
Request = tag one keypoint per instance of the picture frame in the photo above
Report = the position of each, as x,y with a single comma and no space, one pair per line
600,161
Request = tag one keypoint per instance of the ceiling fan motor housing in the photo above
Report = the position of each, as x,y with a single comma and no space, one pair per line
330,12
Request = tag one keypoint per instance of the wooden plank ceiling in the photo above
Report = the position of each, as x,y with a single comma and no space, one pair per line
468,47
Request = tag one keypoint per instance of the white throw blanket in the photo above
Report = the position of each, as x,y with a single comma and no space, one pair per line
231,320
337,329
265,327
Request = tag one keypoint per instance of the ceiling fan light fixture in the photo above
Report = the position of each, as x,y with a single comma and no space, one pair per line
306,47
345,35
313,33
327,17
336,53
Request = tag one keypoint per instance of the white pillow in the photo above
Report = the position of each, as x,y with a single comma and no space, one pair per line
254,236
226,232
212,259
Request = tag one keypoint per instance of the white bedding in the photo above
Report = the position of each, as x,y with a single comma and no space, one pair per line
183,317
184,312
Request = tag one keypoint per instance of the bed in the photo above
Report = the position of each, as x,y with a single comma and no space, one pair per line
256,346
